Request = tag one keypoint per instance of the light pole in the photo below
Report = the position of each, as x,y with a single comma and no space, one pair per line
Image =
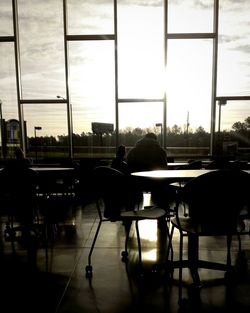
187,127
159,125
70,124
220,103
35,129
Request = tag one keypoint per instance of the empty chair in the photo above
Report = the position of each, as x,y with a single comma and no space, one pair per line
18,199
118,199
191,165
57,197
215,201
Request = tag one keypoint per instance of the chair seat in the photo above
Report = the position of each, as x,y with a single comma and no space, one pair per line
151,213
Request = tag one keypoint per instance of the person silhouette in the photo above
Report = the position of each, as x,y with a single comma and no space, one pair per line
20,159
119,162
147,154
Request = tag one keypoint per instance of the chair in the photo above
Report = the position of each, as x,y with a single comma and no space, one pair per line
57,198
191,165
118,199
18,198
215,201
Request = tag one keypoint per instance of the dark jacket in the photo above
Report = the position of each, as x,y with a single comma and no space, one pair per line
146,155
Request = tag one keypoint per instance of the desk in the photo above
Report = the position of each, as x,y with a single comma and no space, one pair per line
169,176
52,169
159,178
55,178
175,165
172,175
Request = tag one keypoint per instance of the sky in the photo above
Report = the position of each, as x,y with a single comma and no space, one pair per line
140,57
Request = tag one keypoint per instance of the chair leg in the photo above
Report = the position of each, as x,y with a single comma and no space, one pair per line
125,253
229,262
171,252
88,268
127,226
229,275
180,270
239,241
139,244
193,258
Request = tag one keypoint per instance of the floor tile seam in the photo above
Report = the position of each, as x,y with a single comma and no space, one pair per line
74,268
69,281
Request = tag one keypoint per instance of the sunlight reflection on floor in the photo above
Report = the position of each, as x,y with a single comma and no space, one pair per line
148,231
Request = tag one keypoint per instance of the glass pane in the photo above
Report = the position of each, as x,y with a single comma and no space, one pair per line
189,70
92,83
233,52
8,95
47,122
92,91
137,118
6,20
232,126
143,115
8,92
90,17
232,112
42,49
140,50
190,16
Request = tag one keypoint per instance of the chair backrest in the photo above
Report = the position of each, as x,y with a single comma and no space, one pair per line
18,191
215,199
114,188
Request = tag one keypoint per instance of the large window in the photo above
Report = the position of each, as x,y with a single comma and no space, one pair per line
189,83
140,50
41,49
178,68
91,67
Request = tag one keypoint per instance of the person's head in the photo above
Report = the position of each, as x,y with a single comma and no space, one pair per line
121,151
151,136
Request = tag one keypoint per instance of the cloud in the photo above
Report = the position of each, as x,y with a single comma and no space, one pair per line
228,39
243,48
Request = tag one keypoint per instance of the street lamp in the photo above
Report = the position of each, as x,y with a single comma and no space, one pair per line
70,124
35,129
159,125
220,103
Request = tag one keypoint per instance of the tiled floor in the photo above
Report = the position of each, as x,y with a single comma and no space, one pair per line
60,285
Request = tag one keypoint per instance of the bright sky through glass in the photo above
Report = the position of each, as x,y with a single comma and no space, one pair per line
140,62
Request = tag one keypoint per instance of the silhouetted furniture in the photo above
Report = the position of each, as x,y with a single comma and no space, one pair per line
191,165
56,196
215,201
18,199
118,199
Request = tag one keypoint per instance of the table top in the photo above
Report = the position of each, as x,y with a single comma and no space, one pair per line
174,174
177,164
178,174
51,169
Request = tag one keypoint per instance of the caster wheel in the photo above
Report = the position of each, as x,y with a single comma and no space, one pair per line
124,256
89,271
